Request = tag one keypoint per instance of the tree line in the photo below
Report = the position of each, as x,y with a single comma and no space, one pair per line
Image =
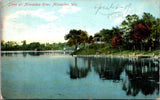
12,45
134,33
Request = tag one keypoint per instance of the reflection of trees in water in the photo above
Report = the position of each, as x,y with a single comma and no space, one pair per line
6,54
35,53
108,68
24,54
145,86
47,53
142,74
32,53
76,72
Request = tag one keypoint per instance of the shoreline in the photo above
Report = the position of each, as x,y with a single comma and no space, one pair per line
121,56
35,51
138,56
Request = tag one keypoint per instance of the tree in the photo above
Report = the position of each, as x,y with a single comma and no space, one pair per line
141,32
117,40
24,45
76,37
34,45
90,39
83,37
148,18
10,45
106,36
127,27
136,30
73,38
2,45
128,23
151,22
142,29
155,36
48,46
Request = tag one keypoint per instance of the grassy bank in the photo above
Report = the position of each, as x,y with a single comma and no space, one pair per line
98,49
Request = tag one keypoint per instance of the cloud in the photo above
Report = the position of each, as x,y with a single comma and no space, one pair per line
14,28
13,31
69,10
48,16
41,13
50,32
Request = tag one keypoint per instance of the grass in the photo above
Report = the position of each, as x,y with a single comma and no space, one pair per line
97,49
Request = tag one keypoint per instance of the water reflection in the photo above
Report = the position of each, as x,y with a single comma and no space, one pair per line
143,75
24,54
108,68
79,71
146,87
136,75
32,53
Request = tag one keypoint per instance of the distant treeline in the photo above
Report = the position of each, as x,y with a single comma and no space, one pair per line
12,45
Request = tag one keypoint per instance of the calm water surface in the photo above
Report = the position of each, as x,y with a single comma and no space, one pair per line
42,75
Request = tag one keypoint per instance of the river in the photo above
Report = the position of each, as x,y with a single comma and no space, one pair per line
58,75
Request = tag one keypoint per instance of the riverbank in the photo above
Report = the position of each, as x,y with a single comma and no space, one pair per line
36,51
121,56
113,53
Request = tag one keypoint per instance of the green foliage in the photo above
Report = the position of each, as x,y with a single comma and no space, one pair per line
113,51
144,29
11,45
106,34
91,50
76,37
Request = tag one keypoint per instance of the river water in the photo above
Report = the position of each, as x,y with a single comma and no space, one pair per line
48,75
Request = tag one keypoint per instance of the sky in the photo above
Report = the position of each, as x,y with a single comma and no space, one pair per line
50,20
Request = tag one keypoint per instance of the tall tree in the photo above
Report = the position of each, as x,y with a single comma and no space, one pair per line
73,38
127,27
148,19
83,37
76,37
141,32
106,34
24,45
155,35
106,37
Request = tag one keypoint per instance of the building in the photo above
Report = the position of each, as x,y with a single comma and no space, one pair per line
98,39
